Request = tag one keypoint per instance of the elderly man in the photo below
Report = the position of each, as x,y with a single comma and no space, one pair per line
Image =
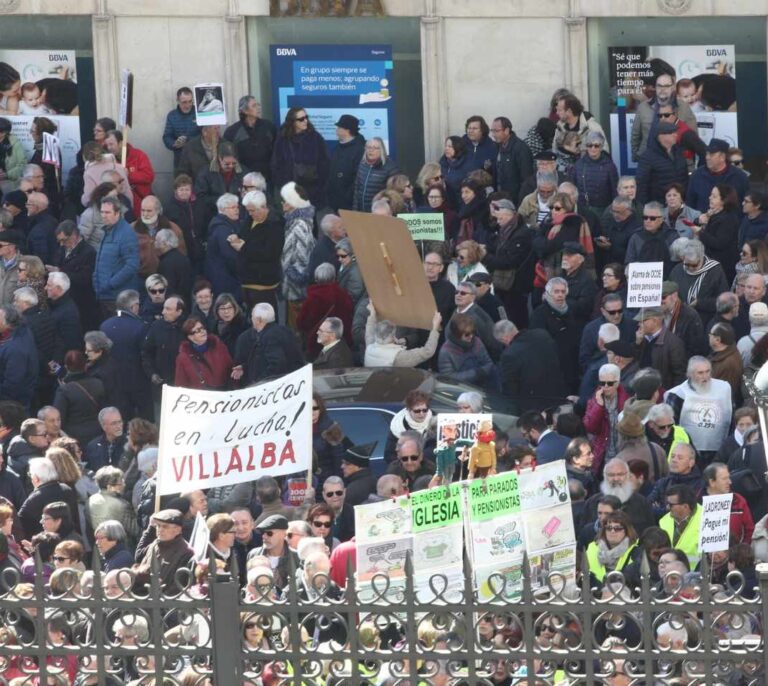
358,477
660,428
545,161
582,288
41,238
727,307
682,320
161,345
619,225
601,418
442,289
652,243
611,312
717,479
534,207
174,265
64,311
702,407
345,159
146,227
410,464
274,546
659,348
334,494
51,417
169,551
267,349
110,541
758,322
108,503
137,164
682,472
754,292
252,136
117,262
331,232
466,303
382,350
47,489
32,441
180,124
47,337
19,366
555,317
716,171
683,521
335,352
10,242
246,538
726,361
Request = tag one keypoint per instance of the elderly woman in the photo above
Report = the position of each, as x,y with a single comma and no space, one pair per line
614,547
68,555
470,402
259,250
32,273
463,356
141,434
595,174
372,173
415,416
221,258
299,243
753,259
97,161
230,320
430,174
469,256
110,540
101,365
676,213
151,308
325,298
349,276
203,361
109,503
614,281
383,350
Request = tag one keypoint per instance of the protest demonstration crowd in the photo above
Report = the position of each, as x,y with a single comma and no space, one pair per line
245,273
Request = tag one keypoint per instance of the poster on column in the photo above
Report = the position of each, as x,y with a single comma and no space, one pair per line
47,87
705,78
328,81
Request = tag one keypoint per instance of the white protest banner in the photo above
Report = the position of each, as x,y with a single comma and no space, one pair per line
715,530
644,281
51,150
219,438
201,535
125,115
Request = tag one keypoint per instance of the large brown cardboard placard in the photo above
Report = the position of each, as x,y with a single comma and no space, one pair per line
391,268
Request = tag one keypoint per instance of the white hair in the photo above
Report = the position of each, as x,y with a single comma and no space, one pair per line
59,279
329,223
263,311
255,179
608,333
556,281
309,545
167,237
26,294
610,370
333,480
226,200
255,199
660,411
43,470
471,398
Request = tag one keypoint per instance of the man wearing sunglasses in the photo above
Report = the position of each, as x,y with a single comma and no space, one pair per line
652,243
602,416
275,548
410,464
344,520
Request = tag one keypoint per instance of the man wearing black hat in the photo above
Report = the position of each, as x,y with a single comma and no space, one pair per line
486,299
10,246
274,546
624,355
582,288
345,159
169,549
16,203
661,165
717,171
355,467
545,161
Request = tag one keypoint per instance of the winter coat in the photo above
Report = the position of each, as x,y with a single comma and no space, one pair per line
117,262
454,172
254,144
92,178
140,175
19,366
19,454
45,494
565,332
596,180
323,301
693,480
588,345
482,155
514,251
177,270
719,237
303,158
329,445
11,487
190,218
351,280
209,370
683,220
514,162
359,486
16,160
106,370
369,180
221,258
342,170
297,249
702,288
473,220
79,400
466,363
149,256
581,295
79,266
702,182
753,229
273,351
598,426
337,356
647,246
667,357
211,185
259,260
194,159
658,169
689,328
47,337
41,236
728,366
67,319
9,281
127,331
619,233
177,123
646,118
160,348
229,332
585,124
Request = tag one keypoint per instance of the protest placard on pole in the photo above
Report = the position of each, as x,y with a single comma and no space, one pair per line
52,153
210,107
715,531
125,115
219,438
425,226
644,281
201,536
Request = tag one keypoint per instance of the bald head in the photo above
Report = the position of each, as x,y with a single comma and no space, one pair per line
754,288
36,203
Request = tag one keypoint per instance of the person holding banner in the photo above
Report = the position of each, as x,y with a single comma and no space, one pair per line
51,169
717,478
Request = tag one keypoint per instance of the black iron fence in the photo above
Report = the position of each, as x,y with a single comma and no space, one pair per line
95,628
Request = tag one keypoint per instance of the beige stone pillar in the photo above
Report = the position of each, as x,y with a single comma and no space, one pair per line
106,74
235,62
433,86
576,73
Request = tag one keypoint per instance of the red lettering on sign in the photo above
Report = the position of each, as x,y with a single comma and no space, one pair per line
235,463
268,456
287,453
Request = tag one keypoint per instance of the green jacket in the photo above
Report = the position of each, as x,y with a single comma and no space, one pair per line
16,161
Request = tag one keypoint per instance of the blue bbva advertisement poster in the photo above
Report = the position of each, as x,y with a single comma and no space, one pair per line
331,80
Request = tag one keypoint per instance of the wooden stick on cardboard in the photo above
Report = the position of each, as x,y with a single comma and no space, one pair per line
391,267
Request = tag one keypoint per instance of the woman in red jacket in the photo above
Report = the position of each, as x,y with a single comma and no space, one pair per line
203,361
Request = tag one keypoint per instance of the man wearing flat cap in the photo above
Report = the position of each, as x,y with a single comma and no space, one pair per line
624,356
356,469
660,348
169,549
274,546
582,288
486,298
717,171
16,203
545,161
10,252
345,160
682,320
661,165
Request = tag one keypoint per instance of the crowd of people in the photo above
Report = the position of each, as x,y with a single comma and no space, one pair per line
108,292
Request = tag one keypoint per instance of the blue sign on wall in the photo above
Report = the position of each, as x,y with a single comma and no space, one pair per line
331,80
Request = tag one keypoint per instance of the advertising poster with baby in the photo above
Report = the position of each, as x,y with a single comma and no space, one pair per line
45,86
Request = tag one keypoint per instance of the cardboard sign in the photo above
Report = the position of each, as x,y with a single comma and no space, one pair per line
715,530
425,226
391,268
297,490
51,150
644,281
219,438
436,508
125,117
209,104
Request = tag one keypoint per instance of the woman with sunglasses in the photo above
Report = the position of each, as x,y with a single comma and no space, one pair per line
415,416
203,361
151,307
320,518
300,155
595,174
328,442
469,256
402,185
349,277
613,549
430,174
254,635
753,259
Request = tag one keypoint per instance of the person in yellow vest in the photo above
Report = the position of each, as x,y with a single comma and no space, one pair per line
613,549
683,521
660,428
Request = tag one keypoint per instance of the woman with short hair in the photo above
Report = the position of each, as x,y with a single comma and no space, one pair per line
203,361
614,547
79,399
230,321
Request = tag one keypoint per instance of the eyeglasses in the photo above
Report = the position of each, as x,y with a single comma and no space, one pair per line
666,115
651,218
420,410
612,313
194,332
614,527
606,383
671,505
594,145
737,163
304,118
251,625
331,494
409,458
226,307
434,197
341,255
557,208
321,523
664,427
60,558
463,293
548,628
156,291
269,534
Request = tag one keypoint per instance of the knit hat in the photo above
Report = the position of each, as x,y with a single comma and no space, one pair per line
631,425
758,314
290,195
147,459
360,455
16,198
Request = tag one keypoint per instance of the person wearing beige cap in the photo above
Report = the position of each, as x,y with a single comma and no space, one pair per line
682,320
725,358
660,348
634,445
758,323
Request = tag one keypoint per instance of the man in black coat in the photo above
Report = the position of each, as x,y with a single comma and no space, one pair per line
211,184
161,345
486,299
106,449
41,239
661,164
48,489
64,311
77,259
266,350
529,367
514,161
332,231
683,321
582,288
252,136
345,159
335,352
174,265
355,467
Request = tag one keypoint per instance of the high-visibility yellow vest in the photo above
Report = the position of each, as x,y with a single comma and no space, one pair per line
598,570
678,436
689,539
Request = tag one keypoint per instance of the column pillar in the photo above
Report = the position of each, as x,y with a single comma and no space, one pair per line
433,86
235,62
576,74
106,74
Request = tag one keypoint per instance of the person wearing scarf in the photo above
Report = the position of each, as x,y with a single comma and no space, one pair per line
473,213
469,256
297,248
415,416
700,279
613,549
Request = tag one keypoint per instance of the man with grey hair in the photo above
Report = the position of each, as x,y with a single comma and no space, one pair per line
64,311
601,418
334,352
383,350
410,463
19,366
466,303
334,492
660,428
109,504
653,242
106,449
611,312
146,227
619,222
47,489
331,232
265,350
555,317
700,279
534,207
41,227
659,347
252,136
174,265
253,181
160,347
52,420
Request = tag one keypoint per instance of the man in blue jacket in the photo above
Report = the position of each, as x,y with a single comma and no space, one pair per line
480,148
717,171
180,124
117,262
18,358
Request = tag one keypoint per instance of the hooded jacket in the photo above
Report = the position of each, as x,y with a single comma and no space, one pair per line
462,361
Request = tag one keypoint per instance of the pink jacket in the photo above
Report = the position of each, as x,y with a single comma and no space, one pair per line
597,426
